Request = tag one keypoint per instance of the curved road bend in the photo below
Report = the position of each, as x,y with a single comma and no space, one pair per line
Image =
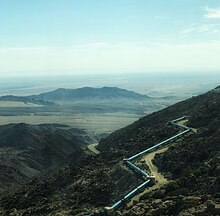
160,179
92,148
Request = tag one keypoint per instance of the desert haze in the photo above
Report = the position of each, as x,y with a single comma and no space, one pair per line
109,108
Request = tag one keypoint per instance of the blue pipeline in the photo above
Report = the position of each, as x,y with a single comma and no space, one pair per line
159,144
130,195
181,126
137,189
117,204
137,169
143,184
178,119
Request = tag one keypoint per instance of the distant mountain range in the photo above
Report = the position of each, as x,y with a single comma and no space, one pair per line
61,94
26,99
89,92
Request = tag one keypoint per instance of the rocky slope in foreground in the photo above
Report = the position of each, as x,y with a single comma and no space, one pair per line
192,165
27,150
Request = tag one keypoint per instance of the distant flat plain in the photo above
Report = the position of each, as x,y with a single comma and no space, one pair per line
95,117
98,123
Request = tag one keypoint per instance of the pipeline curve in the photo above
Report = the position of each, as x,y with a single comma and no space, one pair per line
149,180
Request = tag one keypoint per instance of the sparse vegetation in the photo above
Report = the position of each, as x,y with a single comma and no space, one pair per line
97,181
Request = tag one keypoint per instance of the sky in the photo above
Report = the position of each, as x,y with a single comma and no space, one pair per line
58,37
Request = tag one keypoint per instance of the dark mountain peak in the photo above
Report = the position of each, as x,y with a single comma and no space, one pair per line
23,126
217,89
84,93
112,88
61,89
89,93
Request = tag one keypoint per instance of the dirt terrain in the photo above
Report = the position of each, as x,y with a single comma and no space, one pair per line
97,181
160,179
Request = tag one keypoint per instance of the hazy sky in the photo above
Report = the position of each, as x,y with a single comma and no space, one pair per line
108,36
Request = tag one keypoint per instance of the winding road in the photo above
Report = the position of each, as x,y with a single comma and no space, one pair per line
150,180
154,179
160,179
92,148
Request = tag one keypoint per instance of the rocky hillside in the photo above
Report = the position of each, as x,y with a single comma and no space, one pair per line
191,167
154,126
26,150
75,189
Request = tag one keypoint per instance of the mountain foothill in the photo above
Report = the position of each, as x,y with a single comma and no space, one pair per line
47,169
